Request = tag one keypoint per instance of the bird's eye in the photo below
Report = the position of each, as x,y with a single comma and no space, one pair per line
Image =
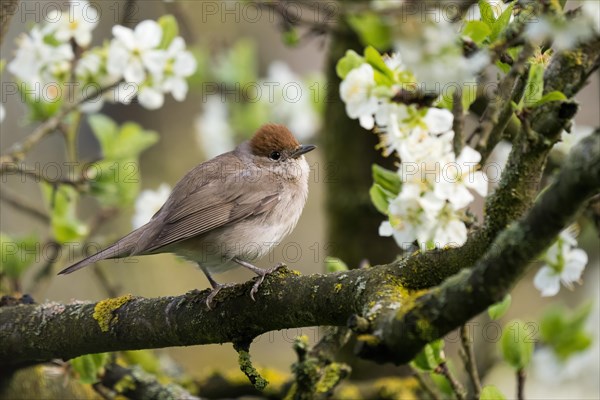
275,155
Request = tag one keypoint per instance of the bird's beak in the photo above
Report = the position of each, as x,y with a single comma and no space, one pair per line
303,149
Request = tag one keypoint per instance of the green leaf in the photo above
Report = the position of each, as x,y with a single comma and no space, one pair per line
290,37
502,22
170,30
469,95
333,264
146,359
89,366
62,205
552,96
115,182
121,143
430,357
443,385
239,66
44,106
535,85
503,67
491,392
478,31
564,331
517,343
380,198
487,13
371,30
388,180
347,63
373,57
17,254
497,310
248,117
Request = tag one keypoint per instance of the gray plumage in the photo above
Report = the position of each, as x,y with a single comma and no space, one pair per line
236,206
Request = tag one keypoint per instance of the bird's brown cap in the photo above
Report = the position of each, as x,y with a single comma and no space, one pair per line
272,137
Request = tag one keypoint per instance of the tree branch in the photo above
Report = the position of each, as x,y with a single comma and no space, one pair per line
18,150
399,326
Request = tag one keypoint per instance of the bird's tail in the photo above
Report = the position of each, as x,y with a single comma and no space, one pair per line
125,247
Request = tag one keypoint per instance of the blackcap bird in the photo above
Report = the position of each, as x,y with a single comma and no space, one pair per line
227,211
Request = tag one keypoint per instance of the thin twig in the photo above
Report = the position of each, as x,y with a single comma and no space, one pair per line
18,150
319,23
129,13
501,106
110,289
30,172
458,121
56,249
469,360
23,205
50,257
521,384
456,386
427,386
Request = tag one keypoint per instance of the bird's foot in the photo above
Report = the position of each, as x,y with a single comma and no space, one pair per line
215,290
261,277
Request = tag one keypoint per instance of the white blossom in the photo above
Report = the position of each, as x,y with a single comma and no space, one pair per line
382,5
445,225
291,104
151,97
435,56
460,176
77,24
563,264
551,369
424,218
566,34
148,203
356,91
407,218
37,63
180,64
213,132
132,54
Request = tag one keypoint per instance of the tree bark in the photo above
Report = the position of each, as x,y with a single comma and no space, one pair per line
349,150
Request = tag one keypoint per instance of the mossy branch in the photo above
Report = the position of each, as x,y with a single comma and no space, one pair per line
398,323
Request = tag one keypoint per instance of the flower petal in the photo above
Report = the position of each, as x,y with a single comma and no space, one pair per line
478,182
125,36
547,281
151,98
438,120
148,33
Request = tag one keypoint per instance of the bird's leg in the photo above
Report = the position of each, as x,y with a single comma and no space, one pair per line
258,271
216,286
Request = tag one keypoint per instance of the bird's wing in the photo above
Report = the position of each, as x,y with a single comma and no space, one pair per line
194,217
208,203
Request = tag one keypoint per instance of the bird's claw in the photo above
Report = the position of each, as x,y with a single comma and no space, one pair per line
261,278
215,291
